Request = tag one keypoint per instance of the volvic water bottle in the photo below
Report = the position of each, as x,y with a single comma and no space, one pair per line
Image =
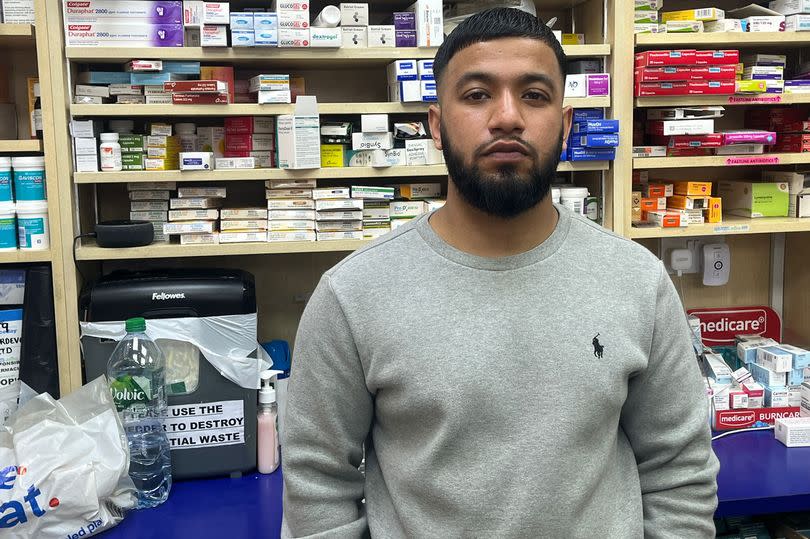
136,371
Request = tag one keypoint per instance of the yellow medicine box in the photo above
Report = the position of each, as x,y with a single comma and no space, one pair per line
703,14
333,155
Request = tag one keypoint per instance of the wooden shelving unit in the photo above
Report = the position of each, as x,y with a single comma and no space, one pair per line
768,159
271,110
90,251
340,93
20,146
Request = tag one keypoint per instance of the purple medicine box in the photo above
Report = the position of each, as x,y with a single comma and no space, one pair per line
744,136
598,84
404,20
135,12
405,38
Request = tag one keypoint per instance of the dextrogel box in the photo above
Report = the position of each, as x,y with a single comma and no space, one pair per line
212,420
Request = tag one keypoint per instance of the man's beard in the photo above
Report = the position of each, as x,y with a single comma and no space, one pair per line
505,193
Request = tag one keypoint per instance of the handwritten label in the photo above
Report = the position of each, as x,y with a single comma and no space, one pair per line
739,100
754,160
207,424
731,229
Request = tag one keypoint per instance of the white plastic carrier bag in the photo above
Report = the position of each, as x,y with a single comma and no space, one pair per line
225,341
64,466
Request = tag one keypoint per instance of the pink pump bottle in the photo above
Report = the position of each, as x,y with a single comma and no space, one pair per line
267,424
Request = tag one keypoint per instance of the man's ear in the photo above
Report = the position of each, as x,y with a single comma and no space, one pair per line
435,122
567,118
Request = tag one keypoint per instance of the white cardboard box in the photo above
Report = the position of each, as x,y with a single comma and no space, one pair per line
355,37
353,14
793,431
299,136
325,37
382,36
429,22
374,123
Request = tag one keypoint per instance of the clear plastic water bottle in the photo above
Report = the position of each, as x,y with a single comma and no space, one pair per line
137,372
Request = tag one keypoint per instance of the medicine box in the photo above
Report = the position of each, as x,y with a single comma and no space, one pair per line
797,23
429,22
801,357
755,199
381,36
374,123
793,431
353,14
703,14
775,359
717,368
354,37
325,37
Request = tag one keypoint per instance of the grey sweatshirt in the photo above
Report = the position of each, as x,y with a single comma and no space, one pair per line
549,394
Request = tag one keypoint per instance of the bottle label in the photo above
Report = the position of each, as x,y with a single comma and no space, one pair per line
131,393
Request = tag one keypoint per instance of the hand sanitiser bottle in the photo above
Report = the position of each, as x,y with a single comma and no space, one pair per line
267,424
136,372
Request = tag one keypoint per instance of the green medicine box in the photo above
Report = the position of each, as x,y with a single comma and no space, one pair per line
755,199
132,143
132,161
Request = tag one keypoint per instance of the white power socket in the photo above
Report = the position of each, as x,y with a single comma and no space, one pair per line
668,245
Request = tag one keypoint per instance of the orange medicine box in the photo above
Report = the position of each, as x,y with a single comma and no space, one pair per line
653,204
700,189
665,219
656,190
714,213
681,202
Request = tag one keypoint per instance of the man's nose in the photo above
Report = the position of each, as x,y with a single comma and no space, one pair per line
507,116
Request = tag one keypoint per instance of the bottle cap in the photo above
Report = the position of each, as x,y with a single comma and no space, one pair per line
135,325
267,393
109,137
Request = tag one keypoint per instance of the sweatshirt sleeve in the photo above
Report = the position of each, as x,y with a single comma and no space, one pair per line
666,419
328,416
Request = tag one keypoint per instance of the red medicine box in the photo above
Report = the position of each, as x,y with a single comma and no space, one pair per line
685,57
715,58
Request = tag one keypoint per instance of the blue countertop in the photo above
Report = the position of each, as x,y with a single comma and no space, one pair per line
757,475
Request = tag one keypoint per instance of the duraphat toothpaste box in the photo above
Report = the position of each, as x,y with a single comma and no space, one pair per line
134,11
123,34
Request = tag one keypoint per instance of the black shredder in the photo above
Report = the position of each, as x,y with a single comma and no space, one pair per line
183,294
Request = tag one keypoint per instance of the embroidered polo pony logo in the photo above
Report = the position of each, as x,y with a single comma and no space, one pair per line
598,349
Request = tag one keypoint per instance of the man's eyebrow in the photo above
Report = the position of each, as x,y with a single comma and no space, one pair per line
486,78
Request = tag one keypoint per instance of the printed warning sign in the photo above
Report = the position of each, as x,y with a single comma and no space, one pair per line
207,424
10,343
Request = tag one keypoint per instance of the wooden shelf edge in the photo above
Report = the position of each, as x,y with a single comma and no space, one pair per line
269,54
16,30
722,100
337,173
20,146
19,256
90,251
742,39
731,225
251,109
768,159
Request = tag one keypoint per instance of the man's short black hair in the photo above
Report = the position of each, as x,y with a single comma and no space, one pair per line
491,24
